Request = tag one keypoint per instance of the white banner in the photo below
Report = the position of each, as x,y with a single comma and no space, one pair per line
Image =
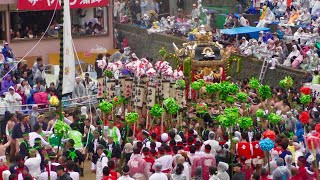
315,90
68,54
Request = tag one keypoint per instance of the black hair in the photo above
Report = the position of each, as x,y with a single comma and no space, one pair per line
111,164
37,127
60,167
125,169
213,170
70,165
193,149
106,171
179,169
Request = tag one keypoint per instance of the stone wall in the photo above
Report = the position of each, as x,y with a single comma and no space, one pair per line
148,45
144,44
251,67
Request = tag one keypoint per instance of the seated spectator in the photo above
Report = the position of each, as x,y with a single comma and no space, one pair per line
13,100
268,19
89,29
36,64
18,72
53,30
38,87
27,78
6,83
79,90
40,74
7,52
6,69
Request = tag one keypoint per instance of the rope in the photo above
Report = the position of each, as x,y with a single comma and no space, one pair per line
45,32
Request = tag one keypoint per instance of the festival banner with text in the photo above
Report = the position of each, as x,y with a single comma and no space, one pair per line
51,4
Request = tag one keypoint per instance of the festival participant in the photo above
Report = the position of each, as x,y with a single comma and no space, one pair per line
281,172
19,166
149,160
70,170
113,131
106,174
112,167
19,129
48,173
125,171
33,163
178,173
238,173
302,167
113,148
92,147
25,146
257,153
37,134
158,174
62,175
74,155
284,151
206,162
212,142
165,160
102,162
138,166
222,171
244,149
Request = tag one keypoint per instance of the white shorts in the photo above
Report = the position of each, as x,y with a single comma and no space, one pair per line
257,161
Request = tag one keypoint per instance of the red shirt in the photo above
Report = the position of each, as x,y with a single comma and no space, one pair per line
265,178
109,178
150,162
279,150
296,177
303,172
114,174
257,152
244,150
3,168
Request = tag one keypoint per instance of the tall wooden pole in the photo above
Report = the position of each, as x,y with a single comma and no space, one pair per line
61,59
61,69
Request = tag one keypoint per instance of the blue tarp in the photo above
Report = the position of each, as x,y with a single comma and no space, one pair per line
252,31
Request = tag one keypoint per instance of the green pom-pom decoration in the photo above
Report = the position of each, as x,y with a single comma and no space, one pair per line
260,113
196,85
274,118
171,105
108,73
287,82
60,128
105,107
254,83
224,89
212,88
230,99
229,118
305,99
156,111
181,84
245,122
265,92
233,88
201,108
117,100
132,117
242,97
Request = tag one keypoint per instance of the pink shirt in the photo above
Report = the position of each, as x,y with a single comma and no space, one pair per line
206,162
137,165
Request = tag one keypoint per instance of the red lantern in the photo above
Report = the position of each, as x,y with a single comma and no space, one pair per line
269,134
304,118
305,90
